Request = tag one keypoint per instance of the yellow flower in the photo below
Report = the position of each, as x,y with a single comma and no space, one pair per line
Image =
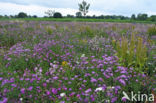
64,63
114,41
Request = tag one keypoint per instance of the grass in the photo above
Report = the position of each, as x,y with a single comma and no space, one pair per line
79,20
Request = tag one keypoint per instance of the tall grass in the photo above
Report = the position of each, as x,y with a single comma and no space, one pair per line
131,53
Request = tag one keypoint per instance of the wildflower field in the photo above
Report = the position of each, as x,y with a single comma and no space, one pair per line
76,62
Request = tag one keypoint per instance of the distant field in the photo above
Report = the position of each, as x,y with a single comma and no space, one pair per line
78,20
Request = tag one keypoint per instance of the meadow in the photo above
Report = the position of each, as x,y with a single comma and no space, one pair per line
76,62
67,19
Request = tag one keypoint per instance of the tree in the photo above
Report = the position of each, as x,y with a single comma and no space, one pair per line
142,16
22,15
50,13
153,18
133,17
70,16
78,14
11,16
34,16
84,7
1,16
57,15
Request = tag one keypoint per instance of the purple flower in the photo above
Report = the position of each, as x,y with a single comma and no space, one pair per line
122,82
55,78
4,100
88,90
23,90
1,78
13,85
100,79
100,66
48,92
106,75
70,89
93,80
114,100
44,84
30,88
72,94
54,90
84,81
124,99
123,72
116,89
92,98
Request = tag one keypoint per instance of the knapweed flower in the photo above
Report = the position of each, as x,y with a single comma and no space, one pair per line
88,90
30,88
93,80
62,102
48,92
124,99
1,78
92,98
4,100
23,90
44,84
114,99
54,90
122,82
14,85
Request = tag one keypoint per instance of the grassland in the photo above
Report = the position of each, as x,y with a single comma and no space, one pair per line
79,20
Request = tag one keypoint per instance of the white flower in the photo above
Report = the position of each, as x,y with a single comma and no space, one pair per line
113,87
51,64
77,62
55,66
98,89
110,87
62,94
107,101
21,99
35,68
54,62
40,70
83,55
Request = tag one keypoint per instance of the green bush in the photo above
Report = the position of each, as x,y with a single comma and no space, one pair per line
49,30
87,31
151,31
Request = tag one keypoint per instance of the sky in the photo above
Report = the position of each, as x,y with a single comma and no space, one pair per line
98,7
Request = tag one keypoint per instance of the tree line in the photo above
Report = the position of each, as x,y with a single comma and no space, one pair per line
141,17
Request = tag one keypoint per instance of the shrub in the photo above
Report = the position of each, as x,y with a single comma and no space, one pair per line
151,31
